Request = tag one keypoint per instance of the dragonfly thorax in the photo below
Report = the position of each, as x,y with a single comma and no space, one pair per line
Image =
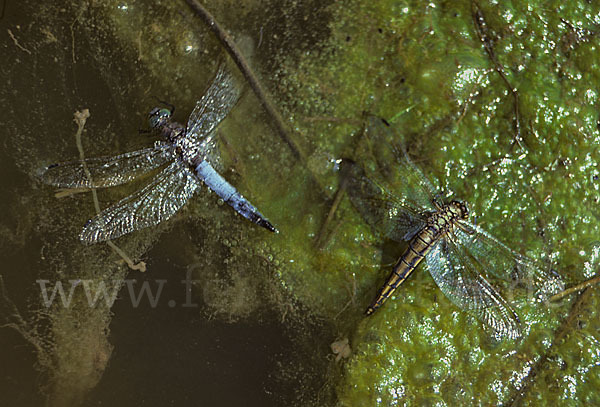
458,209
443,220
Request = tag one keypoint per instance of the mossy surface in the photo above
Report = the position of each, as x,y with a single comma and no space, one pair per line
424,68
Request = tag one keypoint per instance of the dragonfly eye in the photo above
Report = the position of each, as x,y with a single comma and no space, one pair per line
158,116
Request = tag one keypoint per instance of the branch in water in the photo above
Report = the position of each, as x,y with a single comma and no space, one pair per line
80,118
240,61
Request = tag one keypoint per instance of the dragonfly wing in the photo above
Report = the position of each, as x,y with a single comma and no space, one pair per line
398,218
504,263
215,104
155,203
209,151
107,171
395,166
456,275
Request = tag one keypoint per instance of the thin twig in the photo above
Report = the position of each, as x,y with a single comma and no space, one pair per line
64,192
140,266
321,240
566,327
586,284
240,61
80,119
3,9
337,120
73,40
352,297
484,37
22,48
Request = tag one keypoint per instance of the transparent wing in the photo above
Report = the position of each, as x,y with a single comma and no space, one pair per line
107,171
210,152
215,104
502,262
155,203
398,218
456,275
395,167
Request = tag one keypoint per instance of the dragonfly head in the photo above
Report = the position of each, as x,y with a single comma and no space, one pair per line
460,209
159,116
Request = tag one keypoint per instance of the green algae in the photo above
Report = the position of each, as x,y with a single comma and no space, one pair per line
423,68
539,198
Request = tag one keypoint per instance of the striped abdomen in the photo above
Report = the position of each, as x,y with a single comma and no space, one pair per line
438,225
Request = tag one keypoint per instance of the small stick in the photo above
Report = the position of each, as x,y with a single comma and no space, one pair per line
22,48
321,239
80,119
64,192
566,327
578,287
240,61
482,33
3,9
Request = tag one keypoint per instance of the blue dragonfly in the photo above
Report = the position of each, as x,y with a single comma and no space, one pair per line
189,155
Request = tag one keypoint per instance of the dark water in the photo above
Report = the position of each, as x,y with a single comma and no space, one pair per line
177,356
60,58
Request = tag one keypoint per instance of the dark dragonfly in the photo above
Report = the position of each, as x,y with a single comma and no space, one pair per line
456,252
189,156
